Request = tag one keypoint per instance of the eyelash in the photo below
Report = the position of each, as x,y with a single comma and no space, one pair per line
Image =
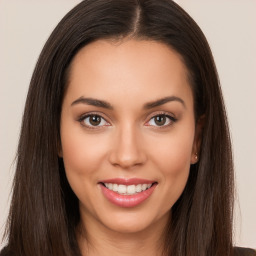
162,114
171,118
83,117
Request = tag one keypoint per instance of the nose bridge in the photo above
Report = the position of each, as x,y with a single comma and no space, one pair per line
127,148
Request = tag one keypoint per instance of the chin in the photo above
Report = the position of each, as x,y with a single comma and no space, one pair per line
132,222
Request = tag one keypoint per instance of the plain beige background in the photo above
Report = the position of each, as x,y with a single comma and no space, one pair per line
229,26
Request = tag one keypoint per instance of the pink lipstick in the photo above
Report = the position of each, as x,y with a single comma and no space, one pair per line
127,192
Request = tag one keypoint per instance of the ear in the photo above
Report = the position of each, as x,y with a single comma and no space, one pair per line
197,140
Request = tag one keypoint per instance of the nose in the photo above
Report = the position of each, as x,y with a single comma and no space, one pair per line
127,149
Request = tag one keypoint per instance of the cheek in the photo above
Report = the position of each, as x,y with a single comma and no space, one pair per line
172,158
83,156
82,153
173,153
174,165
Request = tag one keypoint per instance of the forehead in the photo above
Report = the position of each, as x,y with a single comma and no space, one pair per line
132,69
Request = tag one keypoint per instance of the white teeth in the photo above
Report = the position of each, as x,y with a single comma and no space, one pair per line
127,190
115,187
130,190
144,186
138,188
121,189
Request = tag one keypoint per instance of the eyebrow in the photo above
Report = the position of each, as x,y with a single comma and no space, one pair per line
106,105
92,102
162,101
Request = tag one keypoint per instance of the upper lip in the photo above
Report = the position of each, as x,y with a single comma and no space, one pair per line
131,181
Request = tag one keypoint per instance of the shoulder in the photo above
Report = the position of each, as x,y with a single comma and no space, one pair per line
239,251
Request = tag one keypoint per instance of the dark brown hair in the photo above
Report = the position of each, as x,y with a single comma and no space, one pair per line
44,211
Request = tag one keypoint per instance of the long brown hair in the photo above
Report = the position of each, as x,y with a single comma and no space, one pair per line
44,211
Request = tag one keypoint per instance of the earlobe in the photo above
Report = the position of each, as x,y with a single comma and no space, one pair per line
194,158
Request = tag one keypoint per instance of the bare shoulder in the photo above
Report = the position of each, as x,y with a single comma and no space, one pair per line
239,251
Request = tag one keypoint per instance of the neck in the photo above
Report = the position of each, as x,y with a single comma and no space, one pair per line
99,240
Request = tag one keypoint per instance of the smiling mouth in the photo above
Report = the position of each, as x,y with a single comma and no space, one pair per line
127,192
122,189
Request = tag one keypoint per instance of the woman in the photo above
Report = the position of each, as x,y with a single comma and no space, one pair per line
124,147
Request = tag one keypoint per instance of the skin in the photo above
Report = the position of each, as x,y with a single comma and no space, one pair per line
128,142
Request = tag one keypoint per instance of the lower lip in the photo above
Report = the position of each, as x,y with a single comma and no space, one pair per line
127,200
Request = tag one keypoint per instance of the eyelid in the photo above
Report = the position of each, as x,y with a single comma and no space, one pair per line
167,114
102,115
82,117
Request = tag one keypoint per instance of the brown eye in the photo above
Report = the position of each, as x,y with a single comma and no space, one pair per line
93,121
160,120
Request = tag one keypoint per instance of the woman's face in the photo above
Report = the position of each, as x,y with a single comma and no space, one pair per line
127,133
